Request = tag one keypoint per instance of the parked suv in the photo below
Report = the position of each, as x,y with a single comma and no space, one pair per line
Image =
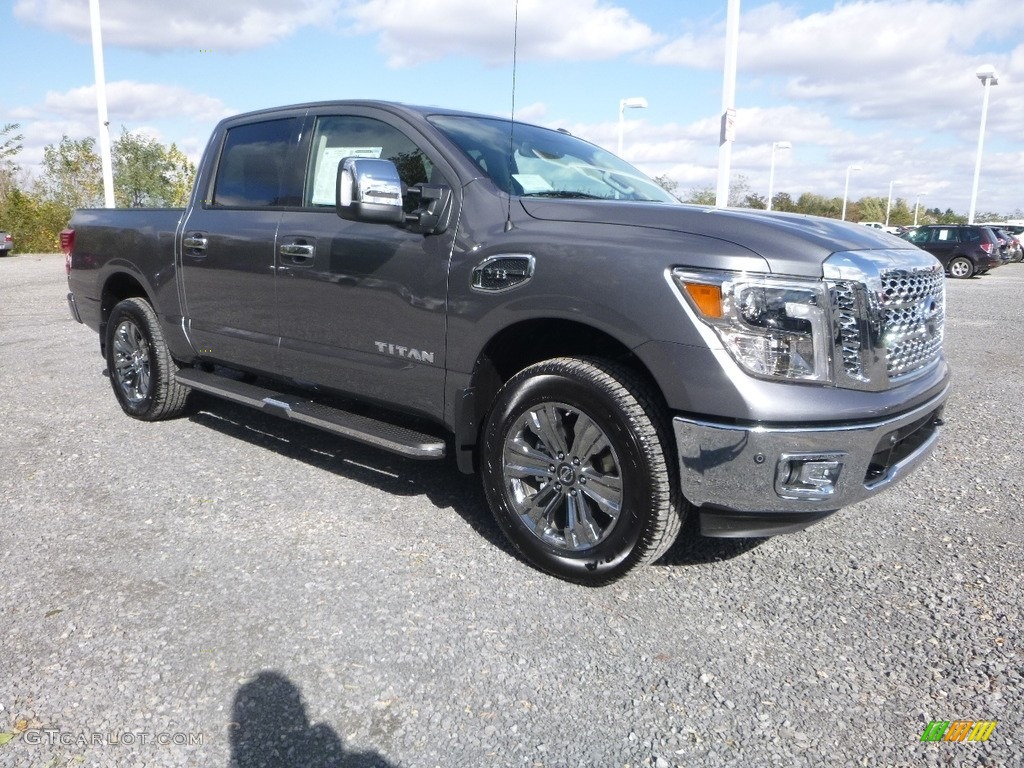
963,249
6,243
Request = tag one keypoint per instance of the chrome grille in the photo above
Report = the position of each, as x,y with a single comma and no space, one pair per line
844,300
888,309
914,307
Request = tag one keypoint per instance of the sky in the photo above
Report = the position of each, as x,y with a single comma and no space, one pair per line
886,85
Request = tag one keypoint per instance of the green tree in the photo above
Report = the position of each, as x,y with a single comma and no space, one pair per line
669,185
819,205
701,196
782,201
72,174
34,223
871,209
142,172
754,200
10,146
739,191
181,176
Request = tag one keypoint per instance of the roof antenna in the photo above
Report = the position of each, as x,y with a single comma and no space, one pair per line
512,127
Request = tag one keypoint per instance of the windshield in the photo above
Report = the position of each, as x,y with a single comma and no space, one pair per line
528,161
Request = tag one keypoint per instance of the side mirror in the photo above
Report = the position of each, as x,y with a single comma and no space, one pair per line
369,190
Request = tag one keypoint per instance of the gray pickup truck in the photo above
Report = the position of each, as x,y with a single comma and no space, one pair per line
436,283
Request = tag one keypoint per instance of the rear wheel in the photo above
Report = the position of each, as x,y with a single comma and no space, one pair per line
140,365
961,267
576,466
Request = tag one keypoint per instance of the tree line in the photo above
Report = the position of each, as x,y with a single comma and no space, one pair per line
901,213
35,209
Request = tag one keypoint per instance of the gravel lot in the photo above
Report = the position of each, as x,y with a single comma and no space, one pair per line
230,589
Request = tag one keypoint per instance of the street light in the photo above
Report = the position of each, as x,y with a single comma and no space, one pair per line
987,75
634,102
888,205
917,205
771,173
846,189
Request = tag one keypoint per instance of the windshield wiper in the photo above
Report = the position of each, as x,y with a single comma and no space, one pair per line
564,194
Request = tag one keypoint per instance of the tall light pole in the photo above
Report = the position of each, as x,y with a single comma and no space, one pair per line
771,173
987,75
728,132
634,102
846,189
888,205
917,205
101,104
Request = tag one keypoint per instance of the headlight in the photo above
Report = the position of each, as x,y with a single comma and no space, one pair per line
774,327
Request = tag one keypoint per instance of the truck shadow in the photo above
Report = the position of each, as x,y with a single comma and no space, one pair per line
270,728
439,481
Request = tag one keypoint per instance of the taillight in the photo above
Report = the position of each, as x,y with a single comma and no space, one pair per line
67,244
987,248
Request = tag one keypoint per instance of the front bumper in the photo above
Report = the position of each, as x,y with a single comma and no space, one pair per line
763,480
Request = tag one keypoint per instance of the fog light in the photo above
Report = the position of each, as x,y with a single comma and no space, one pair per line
809,476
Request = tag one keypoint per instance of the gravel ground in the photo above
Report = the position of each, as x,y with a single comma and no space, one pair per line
230,589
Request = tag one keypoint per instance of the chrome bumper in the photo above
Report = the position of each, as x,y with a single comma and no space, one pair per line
760,480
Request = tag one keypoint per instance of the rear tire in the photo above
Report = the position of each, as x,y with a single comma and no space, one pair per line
961,268
577,467
140,365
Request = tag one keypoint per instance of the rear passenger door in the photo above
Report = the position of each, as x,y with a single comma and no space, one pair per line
944,243
229,239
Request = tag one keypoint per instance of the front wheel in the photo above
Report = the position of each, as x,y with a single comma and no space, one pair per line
961,268
140,365
576,467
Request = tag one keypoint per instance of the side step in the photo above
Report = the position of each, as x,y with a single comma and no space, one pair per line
390,437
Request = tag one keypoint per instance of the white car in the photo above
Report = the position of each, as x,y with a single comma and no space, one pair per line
881,226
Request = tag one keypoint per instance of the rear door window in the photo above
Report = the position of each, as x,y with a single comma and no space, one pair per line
253,167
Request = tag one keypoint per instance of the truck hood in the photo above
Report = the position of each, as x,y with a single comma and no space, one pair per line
792,244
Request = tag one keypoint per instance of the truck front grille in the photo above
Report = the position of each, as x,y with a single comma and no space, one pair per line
888,316
914,307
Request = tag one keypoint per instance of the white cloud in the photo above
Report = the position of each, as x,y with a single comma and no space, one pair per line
875,59
412,32
133,102
224,25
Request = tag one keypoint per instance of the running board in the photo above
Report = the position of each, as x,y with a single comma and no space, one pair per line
389,437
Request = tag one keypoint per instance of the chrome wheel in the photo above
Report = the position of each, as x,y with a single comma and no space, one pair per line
131,360
562,477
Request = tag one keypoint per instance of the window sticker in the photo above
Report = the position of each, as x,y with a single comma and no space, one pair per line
532,183
327,168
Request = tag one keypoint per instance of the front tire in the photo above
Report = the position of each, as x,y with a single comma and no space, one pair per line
576,467
140,365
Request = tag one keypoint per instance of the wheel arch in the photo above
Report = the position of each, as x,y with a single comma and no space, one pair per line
118,287
523,344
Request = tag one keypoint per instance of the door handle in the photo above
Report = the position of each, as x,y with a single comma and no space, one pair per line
299,253
194,242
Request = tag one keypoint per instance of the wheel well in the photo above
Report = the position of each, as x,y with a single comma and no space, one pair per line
524,344
118,288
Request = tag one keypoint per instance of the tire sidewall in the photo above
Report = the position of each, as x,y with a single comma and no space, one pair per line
614,552
127,310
